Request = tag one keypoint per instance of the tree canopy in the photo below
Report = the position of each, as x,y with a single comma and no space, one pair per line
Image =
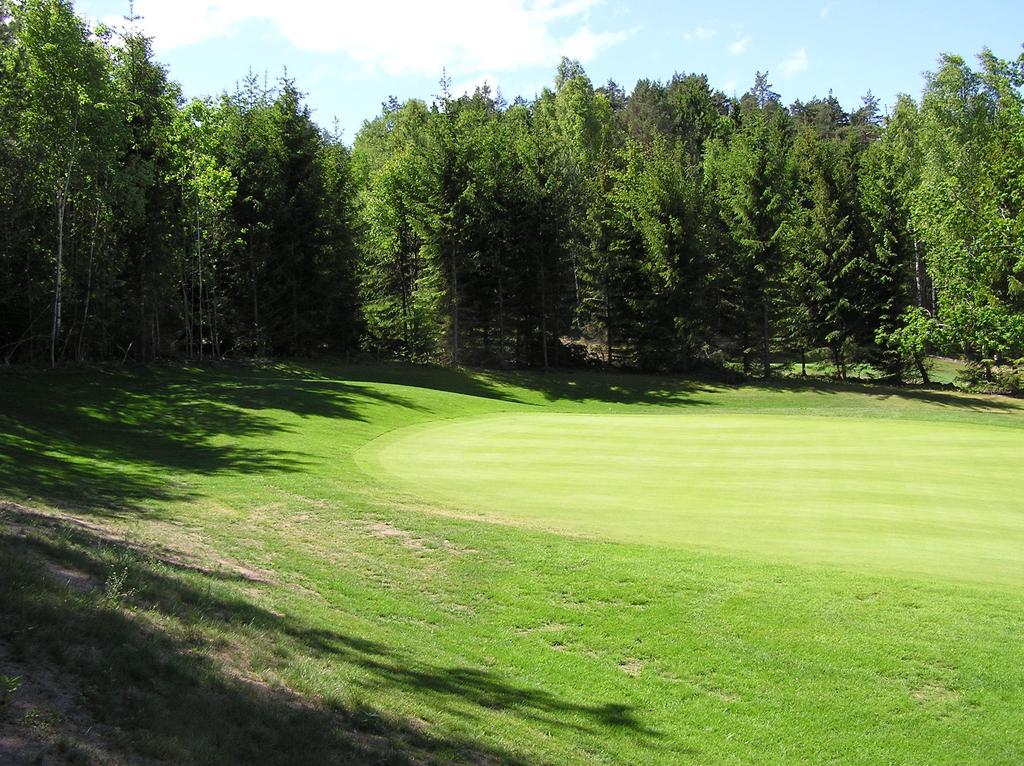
670,228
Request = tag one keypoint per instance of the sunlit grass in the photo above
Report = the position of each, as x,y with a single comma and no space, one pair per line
289,600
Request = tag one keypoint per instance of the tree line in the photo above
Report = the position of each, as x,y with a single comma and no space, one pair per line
669,228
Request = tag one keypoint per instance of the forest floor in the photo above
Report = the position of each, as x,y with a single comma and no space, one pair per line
394,564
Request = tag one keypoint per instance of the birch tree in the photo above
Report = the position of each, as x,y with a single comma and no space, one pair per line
61,120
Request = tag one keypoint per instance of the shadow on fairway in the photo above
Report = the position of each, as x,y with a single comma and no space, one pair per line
164,694
616,387
611,387
452,380
106,442
958,400
555,385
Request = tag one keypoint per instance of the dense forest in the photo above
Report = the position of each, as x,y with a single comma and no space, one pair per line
669,228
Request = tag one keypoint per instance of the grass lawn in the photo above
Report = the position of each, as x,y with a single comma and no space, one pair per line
901,495
342,564
945,370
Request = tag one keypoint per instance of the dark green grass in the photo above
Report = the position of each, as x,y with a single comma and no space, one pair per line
251,596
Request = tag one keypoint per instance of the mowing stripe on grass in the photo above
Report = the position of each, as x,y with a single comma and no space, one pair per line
899,496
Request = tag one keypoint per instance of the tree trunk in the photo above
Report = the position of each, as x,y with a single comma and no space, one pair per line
295,318
840,361
745,341
405,281
575,283
455,311
142,329
212,313
188,317
60,204
501,322
295,303
919,275
199,256
921,369
608,323
255,295
55,328
543,319
88,290
766,329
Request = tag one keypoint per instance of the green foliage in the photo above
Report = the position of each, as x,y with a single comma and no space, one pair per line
182,230
670,228
400,288
649,270
890,171
829,269
8,686
916,336
987,375
968,204
751,179
60,109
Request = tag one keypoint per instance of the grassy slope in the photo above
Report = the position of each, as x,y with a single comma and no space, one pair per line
259,559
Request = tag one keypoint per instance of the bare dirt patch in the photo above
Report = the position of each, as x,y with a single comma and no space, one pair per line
720,694
384,530
547,627
933,693
80,582
632,667
201,558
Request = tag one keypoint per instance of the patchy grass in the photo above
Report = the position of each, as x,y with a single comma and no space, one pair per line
196,567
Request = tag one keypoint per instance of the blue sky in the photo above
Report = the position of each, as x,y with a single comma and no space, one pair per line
349,57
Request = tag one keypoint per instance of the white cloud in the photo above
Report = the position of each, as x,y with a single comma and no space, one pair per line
826,11
741,45
795,63
729,88
584,44
401,36
700,33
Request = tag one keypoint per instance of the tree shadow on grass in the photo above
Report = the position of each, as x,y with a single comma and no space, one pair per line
115,442
137,643
623,387
957,399
672,391
555,385
453,380
629,388
611,387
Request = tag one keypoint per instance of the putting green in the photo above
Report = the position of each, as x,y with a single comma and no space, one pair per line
900,496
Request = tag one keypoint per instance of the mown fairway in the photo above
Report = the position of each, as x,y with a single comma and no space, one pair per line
326,564
900,495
